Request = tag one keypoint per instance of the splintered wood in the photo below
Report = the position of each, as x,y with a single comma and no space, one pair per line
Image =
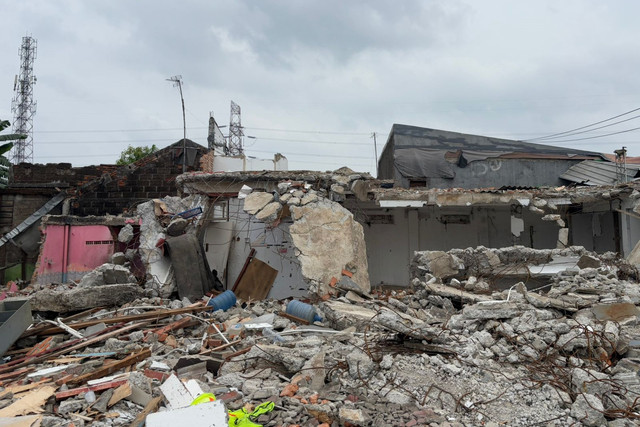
31,403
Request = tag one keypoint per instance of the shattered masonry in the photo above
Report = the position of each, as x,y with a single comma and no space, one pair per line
478,335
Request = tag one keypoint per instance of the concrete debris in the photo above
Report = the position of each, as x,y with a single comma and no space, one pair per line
481,336
107,274
326,236
63,299
433,353
126,234
177,226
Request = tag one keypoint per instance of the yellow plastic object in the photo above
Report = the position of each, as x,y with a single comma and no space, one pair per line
203,398
242,418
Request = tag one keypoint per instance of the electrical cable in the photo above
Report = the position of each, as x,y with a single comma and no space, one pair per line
583,127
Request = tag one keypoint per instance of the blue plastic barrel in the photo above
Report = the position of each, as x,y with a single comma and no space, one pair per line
223,302
303,311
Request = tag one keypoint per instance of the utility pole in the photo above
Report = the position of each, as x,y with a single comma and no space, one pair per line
177,81
375,149
22,105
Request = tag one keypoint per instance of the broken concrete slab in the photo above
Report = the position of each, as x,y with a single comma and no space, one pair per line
257,200
126,234
82,298
107,274
269,213
341,315
439,263
209,414
177,227
492,310
329,239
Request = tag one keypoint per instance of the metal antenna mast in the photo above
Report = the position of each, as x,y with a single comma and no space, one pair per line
177,81
22,105
235,131
621,165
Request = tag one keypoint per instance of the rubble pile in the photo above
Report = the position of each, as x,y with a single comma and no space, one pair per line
459,347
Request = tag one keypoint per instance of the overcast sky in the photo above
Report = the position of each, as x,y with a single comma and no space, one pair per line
315,79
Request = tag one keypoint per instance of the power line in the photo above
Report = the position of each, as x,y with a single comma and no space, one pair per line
198,128
116,130
314,141
310,131
602,127
111,141
594,137
305,154
258,138
583,127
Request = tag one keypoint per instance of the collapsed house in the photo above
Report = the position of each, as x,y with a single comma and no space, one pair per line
432,300
36,190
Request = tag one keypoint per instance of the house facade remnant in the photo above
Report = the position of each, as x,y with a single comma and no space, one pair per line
90,191
291,221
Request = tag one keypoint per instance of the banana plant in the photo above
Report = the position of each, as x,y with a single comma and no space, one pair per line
8,137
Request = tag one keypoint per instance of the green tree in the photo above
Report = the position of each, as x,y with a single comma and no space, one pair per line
133,154
4,162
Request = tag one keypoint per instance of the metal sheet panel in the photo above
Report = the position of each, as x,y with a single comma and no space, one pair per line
15,318
591,172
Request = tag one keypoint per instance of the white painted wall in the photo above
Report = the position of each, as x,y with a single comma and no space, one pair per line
244,163
390,247
273,246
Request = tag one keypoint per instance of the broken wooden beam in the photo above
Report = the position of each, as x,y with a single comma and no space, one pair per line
112,367
150,408
98,387
156,314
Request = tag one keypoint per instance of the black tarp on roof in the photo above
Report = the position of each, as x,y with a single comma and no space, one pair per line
420,152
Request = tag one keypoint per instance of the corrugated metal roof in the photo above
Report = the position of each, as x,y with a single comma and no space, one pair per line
591,172
405,136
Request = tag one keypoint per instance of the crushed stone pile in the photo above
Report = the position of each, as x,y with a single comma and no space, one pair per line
510,336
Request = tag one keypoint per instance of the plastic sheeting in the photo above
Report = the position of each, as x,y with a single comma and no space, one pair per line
429,163
423,163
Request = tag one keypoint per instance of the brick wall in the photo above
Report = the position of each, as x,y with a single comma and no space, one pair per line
111,189
15,207
150,178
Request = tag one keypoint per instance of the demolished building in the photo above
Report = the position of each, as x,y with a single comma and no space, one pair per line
428,305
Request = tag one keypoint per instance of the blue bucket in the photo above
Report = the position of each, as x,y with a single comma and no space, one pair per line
223,302
303,311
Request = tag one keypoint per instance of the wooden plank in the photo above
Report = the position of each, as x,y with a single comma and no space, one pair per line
31,403
120,393
256,281
112,367
79,345
97,387
244,269
157,314
12,375
15,389
81,314
292,317
237,353
150,408
220,347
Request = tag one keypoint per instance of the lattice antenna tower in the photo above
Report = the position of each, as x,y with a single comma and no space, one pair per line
621,164
22,105
236,133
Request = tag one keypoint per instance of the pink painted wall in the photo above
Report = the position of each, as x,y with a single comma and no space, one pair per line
68,252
